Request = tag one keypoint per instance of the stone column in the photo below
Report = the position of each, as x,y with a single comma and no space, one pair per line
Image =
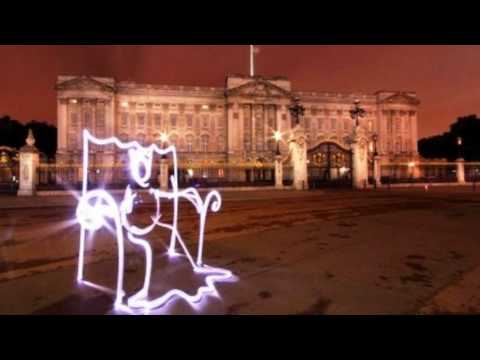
62,124
360,159
377,171
298,154
163,177
461,171
278,172
29,160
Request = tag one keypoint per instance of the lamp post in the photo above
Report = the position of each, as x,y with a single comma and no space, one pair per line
163,141
296,110
374,158
163,176
278,162
278,137
459,149
357,112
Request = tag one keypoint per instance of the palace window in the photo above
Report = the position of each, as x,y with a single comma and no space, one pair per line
189,121
220,121
141,139
173,121
272,145
204,143
158,121
235,116
320,124
100,118
74,120
205,121
72,142
407,146
123,137
173,140
307,124
398,124
221,143
390,125
407,125
334,124
124,120
157,140
87,119
398,146
141,120
346,124
259,144
189,143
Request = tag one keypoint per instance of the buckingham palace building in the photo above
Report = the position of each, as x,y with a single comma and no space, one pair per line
226,125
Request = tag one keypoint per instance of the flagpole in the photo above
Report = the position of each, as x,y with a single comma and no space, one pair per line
252,61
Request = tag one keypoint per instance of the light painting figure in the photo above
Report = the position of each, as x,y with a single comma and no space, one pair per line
98,209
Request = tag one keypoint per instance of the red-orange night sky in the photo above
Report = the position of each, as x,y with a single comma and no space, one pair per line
446,78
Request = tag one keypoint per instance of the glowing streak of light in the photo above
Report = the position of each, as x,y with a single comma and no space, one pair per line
96,206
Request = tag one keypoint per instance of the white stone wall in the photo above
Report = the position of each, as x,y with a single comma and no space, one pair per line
205,124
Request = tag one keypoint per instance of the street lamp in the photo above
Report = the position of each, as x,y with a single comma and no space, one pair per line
278,137
297,110
163,140
375,140
459,143
357,112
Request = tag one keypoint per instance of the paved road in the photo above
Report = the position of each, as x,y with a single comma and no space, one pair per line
401,251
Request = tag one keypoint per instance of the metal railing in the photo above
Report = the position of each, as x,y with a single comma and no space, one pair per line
401,173
70,177
9,178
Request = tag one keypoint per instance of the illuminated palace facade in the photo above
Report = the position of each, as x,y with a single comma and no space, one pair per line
230,124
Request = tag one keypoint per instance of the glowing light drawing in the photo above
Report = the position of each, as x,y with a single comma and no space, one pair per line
97,209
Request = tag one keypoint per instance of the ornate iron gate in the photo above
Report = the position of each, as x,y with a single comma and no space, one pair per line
329,165
8,171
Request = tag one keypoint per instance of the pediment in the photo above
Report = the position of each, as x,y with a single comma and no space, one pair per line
84,83
259,88
401,98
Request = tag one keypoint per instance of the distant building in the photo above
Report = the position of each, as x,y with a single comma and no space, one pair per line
228,124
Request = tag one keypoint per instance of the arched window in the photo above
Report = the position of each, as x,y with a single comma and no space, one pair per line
204,143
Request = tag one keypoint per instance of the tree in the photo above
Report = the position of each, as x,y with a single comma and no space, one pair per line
446,146
13,134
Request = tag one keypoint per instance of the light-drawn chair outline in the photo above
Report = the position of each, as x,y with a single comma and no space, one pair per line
92,218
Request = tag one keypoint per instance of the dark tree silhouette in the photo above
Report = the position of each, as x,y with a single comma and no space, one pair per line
446,147
13,134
